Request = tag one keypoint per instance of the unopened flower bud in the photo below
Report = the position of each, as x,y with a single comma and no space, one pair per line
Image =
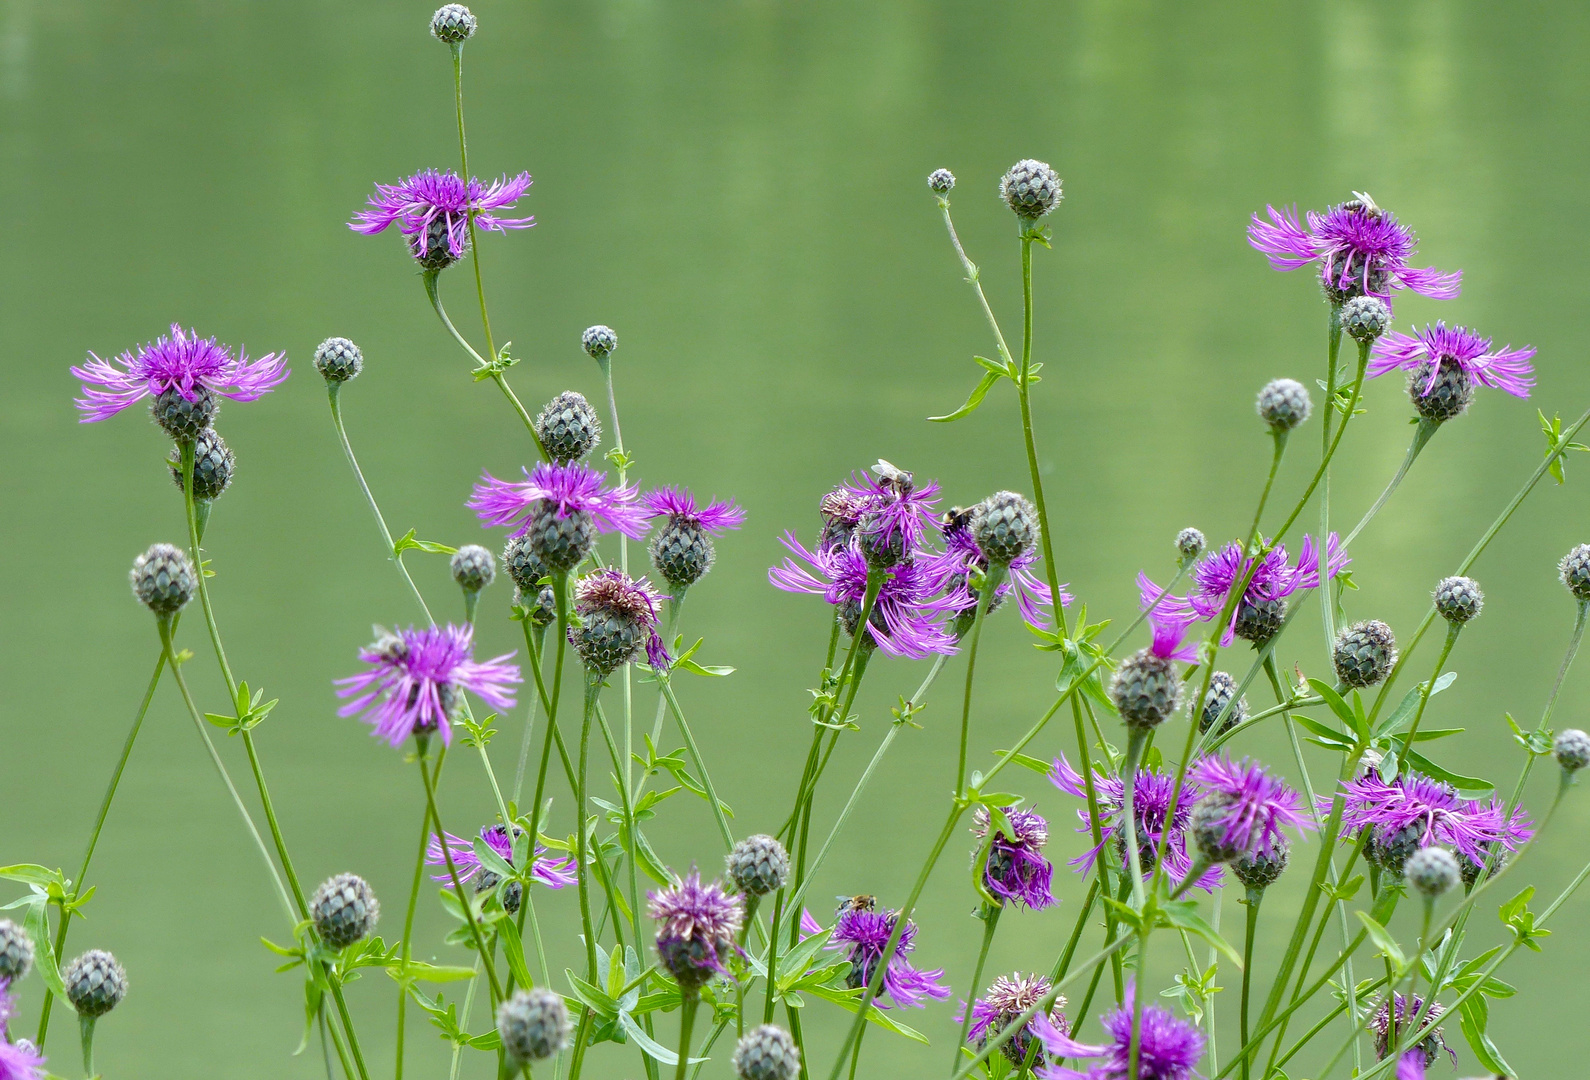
541,606
1574,569
1190,544
163,579
1145,689
682,552
1433,871
1447,397
1261,870
1284,404
758,865
1365,318
1571,748
1005,526
599,341
1031,189
1458,599
213,464
344,910
95,983
453,23
338,359
183,419
767,1053
568,427
1364,653
941,181
533,1025
1222,688
16,952
1259,620
523,565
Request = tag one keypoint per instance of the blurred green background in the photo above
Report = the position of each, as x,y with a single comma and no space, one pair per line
738,188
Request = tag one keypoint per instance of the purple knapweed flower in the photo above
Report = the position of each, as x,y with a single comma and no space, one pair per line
183,362
862,933
1361,250
553,873
1168,1047
1151,803
962,557
1016,870
566,490
696,927
1429,812
432,208
1241,810
1414,1061
416,678
1503,369
896,513
1218,572
908,614
617,613
1007,997
18,1060
678,505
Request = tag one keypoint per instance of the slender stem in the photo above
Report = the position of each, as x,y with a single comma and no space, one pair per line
1352,405
593,688
695,755
333,390
687,1021
534,639
772,955
463,160
990,916
1136,739
1421,435
1254,898
1551,702
1024,395
452,874
408,920
560,592
985,596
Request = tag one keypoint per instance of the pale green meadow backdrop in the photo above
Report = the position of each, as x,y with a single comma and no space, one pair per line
739,189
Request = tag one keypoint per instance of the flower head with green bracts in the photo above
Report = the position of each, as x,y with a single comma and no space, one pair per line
415,679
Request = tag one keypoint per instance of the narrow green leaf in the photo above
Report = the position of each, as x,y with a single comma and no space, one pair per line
514,948
1383,941
37,925
850,1000
980,391
1184,914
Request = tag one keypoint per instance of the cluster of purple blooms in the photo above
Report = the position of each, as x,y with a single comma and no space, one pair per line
885,523
1412,812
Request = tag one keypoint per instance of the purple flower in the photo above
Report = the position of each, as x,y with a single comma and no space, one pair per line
896,514
863,933
696,926
1008,997
564,489
1504,369
962,557
1431,813
908,614
553,873
416,679
1242,809
1016,870
434,207
1218,572
184,362
1168,1047
1361,249
1151,803
18,1060
677,504
608,596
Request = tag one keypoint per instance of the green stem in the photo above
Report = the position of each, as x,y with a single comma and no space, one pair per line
772,955
1421,435
1352,405
534,639
695,755
463,161
985,596
1254,898
333,390
67,910
452,874
593,689
560,592
990,916
687,1021
408,922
